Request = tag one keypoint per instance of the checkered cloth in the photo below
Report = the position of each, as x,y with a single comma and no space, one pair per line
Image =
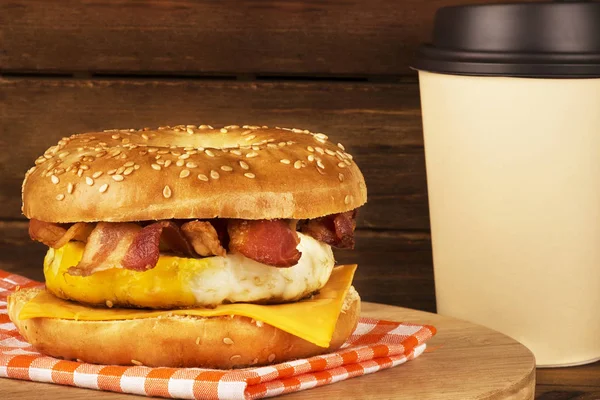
374,345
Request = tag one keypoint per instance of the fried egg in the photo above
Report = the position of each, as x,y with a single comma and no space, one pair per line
190,282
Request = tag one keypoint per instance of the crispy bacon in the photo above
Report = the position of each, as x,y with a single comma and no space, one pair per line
204,238
56,235
268,242
107,246
335,230
144,250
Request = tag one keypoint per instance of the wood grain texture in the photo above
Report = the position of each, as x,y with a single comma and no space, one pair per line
333,37
465,361
394,267
379,123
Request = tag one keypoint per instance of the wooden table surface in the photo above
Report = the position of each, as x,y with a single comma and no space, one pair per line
463,361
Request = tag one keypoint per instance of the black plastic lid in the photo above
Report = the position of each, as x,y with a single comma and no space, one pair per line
551,39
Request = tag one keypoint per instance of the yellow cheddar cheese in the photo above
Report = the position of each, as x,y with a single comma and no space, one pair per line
312,319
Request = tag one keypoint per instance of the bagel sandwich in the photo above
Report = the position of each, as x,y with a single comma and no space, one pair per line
190,246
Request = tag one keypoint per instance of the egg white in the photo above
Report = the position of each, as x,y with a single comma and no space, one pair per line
236,278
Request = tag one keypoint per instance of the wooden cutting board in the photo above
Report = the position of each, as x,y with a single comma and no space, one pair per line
464,361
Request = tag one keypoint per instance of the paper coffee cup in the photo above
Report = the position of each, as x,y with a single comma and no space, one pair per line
510,97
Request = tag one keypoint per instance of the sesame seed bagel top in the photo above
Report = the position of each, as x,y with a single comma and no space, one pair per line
186,172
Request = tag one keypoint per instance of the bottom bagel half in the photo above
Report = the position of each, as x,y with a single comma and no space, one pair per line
223,342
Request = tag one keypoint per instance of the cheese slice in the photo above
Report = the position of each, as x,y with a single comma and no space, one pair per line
312,319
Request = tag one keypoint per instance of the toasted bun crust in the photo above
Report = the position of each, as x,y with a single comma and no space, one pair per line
174,341
189,172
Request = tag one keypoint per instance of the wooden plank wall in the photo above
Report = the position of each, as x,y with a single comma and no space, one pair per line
340,67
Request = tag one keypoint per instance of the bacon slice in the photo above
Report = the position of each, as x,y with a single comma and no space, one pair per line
204,238
268,242
144,251
107,246
55,235
335,230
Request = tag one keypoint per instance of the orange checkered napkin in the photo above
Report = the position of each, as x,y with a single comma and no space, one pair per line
374,345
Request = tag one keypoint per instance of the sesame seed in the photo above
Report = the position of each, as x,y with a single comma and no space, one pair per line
281,144
341,146
285,161
203,177
226,168
167,163
167,192
145,137
156,167
70,188
311,149
97,174
116,136
341,165
118,178
255,146
214,174
236,152
152,149
129,164
136,167
60,197
190,131
101,154
320,164
184,156
347,162
246,132
89,181
323,141
249,175
296,130
120,170
311,158
54,179
227,340
103,188
349,156
198,340
330,152
235,357
191,164
319,150
184,173
136,362
255,361
125,141
128,171
321,136
341,176
251,154
347,199
244,165
180,163
80,172
223,130
209,153
271,357
63,154
272,146
111,172
249,138
298,164
109,304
